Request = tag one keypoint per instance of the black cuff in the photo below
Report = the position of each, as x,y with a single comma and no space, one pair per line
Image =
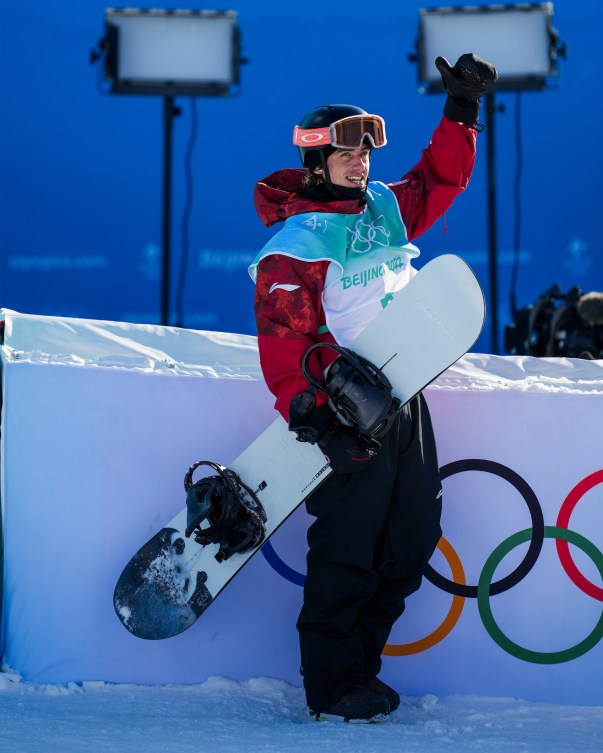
462,110
313,425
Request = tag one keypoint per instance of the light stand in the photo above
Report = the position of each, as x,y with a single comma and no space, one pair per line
490,107
169,112
170,53
521,42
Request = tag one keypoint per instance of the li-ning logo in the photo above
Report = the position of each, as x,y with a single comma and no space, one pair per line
366,235
282,286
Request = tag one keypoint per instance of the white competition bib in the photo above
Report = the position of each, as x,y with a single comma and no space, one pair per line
373,273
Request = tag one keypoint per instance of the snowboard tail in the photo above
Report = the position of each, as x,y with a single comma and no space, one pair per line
158,595
172,579
165,587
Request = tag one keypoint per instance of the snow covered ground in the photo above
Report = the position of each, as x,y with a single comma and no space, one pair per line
223,716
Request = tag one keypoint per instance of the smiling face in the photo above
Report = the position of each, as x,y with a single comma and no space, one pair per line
350,167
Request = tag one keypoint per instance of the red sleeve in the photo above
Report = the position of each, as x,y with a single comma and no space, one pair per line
442,173
288,312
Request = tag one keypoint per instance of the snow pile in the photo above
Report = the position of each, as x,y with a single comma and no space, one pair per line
223,716
481,372
66,341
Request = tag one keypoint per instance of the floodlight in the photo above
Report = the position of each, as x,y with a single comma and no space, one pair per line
519,39
171,52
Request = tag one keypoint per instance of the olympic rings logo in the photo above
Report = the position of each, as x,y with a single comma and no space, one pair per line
487,587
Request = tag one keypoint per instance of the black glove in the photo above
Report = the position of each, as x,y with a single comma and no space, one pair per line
345,451
469,80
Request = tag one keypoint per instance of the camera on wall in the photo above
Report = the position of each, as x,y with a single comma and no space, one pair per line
558,324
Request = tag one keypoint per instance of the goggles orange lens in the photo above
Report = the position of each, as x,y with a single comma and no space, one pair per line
350,132
347,133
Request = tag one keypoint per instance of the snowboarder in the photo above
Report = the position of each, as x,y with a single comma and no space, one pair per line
344,251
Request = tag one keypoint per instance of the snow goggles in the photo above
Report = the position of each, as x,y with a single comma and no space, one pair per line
347,133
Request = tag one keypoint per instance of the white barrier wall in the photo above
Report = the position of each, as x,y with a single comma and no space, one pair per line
101,420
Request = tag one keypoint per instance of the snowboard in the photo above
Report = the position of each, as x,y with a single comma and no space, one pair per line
423,329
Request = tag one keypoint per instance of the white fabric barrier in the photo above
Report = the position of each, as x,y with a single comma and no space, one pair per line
100,421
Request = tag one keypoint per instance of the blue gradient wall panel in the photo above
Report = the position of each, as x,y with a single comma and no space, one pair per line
80,204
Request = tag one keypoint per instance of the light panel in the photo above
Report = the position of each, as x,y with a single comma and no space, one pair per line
171,52
518,39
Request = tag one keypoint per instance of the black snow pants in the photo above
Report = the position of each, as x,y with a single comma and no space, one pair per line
374,533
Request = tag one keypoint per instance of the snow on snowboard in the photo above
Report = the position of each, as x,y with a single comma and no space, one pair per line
424,329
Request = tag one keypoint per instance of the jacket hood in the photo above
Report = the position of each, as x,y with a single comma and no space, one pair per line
280,196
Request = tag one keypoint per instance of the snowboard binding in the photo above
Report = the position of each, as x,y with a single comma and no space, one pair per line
234,515
359,391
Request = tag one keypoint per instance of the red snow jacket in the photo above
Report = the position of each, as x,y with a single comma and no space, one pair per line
289,322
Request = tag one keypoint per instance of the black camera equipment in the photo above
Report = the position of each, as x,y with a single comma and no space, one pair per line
558,324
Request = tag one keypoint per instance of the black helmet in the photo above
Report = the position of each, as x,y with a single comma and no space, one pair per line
321,117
